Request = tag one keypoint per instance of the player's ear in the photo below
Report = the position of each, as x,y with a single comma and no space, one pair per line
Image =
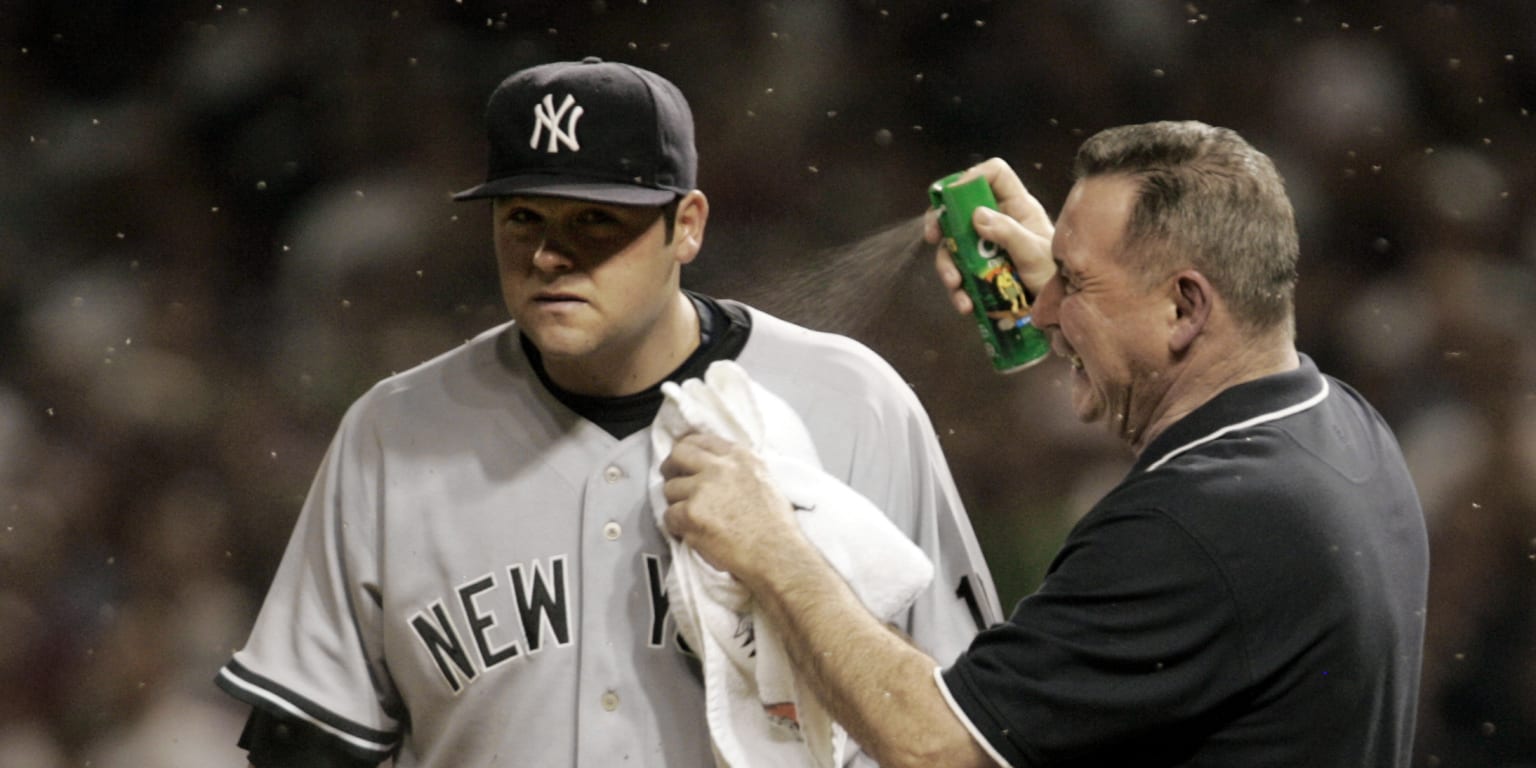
1193,297
688,228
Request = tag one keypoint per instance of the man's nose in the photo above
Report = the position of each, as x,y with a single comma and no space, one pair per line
552,257
1043,313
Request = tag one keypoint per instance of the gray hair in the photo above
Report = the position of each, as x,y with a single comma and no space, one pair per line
1208,200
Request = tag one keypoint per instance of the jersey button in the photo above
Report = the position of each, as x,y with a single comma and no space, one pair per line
610,701
613,475
612,530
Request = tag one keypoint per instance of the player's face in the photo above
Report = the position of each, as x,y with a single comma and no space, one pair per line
589,280
1101,316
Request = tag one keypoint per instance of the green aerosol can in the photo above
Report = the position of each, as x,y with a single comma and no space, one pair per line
997,294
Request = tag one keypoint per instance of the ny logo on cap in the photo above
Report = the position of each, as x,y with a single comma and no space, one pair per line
546,116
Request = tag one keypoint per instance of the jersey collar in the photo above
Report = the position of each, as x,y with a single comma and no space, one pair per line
1246,405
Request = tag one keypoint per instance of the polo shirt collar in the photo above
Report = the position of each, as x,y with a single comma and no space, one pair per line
1245,405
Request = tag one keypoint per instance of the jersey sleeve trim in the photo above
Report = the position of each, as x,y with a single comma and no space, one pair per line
965,720
259,691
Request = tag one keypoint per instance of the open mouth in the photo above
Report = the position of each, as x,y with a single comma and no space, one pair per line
1062,351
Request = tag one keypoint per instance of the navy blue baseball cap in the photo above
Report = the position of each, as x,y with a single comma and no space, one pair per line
589,130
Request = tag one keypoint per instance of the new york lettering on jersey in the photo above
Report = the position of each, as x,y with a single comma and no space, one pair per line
542,611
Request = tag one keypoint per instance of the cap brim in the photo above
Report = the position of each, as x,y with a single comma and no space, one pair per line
573,189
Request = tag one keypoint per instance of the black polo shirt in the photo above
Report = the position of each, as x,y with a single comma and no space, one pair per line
1251,594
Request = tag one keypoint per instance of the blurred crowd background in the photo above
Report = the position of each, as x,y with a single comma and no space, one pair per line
221,221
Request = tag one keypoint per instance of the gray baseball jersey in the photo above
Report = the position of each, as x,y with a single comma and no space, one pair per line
477,578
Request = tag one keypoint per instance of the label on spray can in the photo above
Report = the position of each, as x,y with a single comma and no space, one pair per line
987,275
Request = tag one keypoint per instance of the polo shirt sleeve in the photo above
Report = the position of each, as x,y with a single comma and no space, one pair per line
1132,642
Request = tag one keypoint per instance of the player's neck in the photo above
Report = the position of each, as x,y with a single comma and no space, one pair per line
1214,369
627,368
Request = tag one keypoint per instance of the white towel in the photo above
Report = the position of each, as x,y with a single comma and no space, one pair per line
758,712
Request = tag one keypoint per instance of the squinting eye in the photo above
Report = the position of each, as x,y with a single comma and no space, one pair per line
522,216
595,216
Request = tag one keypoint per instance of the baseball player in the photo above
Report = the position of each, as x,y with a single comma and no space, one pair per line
476,577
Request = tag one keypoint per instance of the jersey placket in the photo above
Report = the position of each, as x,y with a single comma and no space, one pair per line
610,549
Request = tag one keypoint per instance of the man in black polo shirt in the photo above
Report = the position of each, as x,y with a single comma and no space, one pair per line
1251,594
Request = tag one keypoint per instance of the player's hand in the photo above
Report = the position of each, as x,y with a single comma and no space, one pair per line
721,503
1024,230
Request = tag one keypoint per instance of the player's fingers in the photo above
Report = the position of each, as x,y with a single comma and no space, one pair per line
684,461
677,521
712,444
944,264
692,453
1029,251
1012,197
681,525
679,488
699,531
931,231
949,275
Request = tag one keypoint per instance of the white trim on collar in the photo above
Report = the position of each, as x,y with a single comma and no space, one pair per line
1260,419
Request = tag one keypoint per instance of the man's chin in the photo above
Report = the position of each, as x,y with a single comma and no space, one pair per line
559,343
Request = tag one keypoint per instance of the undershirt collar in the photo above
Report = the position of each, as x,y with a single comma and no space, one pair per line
723,331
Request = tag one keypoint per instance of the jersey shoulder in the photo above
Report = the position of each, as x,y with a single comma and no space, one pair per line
484,374
790,358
